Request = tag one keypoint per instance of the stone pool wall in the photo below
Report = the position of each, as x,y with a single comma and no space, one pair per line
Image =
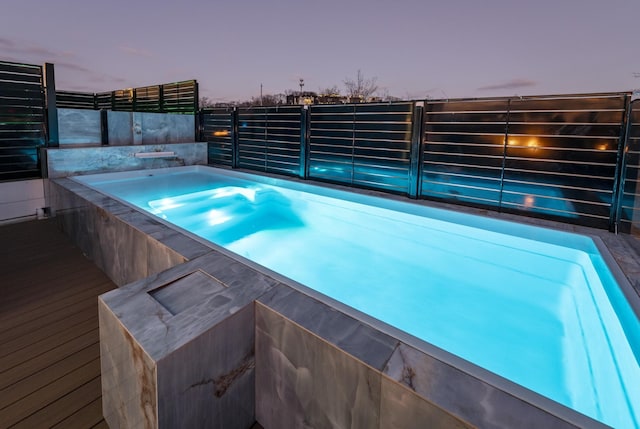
83,127
177,349
121,241
63,162
196,338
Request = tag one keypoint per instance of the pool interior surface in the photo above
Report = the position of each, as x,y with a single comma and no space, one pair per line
545,314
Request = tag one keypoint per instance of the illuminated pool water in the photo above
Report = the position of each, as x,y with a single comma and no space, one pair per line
535,306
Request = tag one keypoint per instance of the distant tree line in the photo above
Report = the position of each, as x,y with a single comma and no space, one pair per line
356,90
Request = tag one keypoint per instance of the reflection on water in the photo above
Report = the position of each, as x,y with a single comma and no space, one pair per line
229,213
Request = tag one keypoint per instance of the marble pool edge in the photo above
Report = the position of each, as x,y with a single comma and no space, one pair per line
135,249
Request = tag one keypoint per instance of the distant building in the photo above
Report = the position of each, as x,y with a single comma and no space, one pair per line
331,99
303,98
309,97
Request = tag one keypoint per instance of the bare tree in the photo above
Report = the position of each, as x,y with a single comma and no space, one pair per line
205,102
361,87
385,95
266,100
330,90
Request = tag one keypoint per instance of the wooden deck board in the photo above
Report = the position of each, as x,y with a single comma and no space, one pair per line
13,317
75,283
29,325
47,333
45,344
53,373
60,400
45,395
47,359
101,425
49,341
83,418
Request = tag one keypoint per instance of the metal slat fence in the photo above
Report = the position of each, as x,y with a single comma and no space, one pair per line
561,157
551,157
76,100
177,97
630,195
366,145
218,130
574,158
554,157
22,120
269,139
464,150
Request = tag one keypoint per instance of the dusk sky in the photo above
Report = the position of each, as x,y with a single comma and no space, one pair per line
415,48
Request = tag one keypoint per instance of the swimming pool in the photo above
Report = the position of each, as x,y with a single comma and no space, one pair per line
535,306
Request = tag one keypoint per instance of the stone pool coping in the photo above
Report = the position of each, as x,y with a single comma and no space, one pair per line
135,248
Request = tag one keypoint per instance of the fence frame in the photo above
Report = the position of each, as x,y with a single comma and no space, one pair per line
377,164
132,100
26,124
417,153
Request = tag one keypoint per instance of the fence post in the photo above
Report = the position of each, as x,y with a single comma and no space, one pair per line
104,127
505,146
199,125
621,161
197,113
53,137
196,96
415,154
234,138
161,98
304,142
134,99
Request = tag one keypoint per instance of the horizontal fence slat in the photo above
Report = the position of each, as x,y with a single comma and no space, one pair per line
22,121
166,98
18,68
269,138
630,192
364,145
544,156
558,153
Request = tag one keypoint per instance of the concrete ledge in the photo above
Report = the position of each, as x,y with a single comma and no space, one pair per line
63,162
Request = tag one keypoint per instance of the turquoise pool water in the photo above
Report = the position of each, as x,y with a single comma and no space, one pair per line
535,306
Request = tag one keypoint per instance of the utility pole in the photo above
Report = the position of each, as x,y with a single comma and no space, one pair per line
301,85
261,94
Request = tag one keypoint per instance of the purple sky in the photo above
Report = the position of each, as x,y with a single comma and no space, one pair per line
415,48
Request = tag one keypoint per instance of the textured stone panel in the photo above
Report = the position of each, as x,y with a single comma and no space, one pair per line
79,127
402,408
349,334
165,128
304,382
472,399
199,340
127,375
185,292
209,381
120,126
62,162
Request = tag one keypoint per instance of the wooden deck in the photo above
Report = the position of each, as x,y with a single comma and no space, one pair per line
49,342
